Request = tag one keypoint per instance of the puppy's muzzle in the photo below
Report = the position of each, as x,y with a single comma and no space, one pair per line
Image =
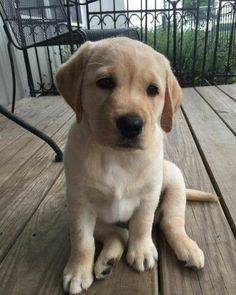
129,126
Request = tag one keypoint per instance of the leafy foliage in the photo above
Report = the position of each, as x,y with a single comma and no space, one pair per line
186,46
193,3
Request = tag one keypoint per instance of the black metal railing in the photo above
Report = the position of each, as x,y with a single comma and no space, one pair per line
199,37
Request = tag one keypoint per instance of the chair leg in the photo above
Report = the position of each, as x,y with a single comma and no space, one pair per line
35,131
29,73
13,77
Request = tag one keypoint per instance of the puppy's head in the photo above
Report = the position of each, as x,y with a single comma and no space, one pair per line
122,89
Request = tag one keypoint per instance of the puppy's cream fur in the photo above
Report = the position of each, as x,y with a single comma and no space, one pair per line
108,183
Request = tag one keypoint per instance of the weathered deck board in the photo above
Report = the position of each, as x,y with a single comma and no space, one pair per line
126,281
25,189
205,223
218,145
229,90
221,103
39,253
17,153
44,243
31,110
34,241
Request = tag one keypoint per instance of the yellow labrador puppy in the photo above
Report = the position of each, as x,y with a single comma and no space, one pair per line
124,95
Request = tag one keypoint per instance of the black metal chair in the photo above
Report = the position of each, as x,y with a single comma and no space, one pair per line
31,26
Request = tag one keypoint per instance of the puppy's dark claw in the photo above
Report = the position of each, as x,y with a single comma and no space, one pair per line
111,262
106,272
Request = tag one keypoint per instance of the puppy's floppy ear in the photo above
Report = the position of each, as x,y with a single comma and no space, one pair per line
173,97
69,78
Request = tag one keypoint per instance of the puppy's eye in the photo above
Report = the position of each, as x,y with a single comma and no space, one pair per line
106,83
152,90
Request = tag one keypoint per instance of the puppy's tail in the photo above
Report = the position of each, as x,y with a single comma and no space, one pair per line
195,195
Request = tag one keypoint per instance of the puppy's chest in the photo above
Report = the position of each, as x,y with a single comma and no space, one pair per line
117,186
120,199
122,192
118,210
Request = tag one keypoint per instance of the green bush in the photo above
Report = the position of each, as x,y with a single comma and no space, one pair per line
66,52
185,51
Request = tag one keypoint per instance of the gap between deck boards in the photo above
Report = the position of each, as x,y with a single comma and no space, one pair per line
227,202
204,222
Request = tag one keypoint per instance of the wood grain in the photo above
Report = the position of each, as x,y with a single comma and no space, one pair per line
36,260
16,154
205,223
221,103
230,90
218,146
34,240
125,280
35,263
25,189
32,110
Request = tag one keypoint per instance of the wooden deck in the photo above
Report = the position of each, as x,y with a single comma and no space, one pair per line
34,240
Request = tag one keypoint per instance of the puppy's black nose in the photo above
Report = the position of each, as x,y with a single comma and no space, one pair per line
129,125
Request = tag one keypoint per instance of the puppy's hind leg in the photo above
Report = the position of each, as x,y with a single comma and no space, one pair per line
172,218
114,239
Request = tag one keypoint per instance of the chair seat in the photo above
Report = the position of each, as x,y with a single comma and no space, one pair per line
82,35
95,34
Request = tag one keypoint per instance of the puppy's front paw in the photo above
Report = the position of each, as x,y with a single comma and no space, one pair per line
104,266
76,278
142,255
188,251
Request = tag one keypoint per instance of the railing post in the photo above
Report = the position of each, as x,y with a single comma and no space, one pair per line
146,21
195,44
205,43
232,32
87,15
216,42
69,25
114,13
174,4
100,7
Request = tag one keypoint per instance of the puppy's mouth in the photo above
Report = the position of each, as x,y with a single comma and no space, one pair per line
129,143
